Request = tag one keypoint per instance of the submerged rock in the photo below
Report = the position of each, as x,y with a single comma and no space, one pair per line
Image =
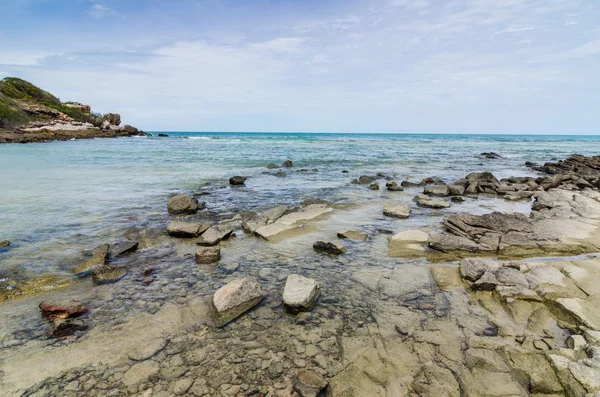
208,255
98,259
235,298
287,163
401,210
309,383
183,204
393,187
374,186
4,244
214,234
329,248
300,293
185,229
491,155
365,180
122,248
62,309
272,166
353,235
237,180
108,274
281,174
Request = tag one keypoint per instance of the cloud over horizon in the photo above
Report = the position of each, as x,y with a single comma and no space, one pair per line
517,66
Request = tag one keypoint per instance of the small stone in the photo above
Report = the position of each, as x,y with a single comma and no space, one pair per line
352,235
393,187
374,186
181,386
4,244
300,293
140,372
329,248
237,180
208,255
401,210
108,274
309,383
235,298
183,204
272,166
281,174
214,234
287,163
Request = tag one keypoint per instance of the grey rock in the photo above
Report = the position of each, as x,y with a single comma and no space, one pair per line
237,180
393,187
456,190
437,190
214,234
185,229
287,163
365,180
108,274
99,257
511,277
397,210
122,248
353,235
487,282
309,383
235,298
473,268
423,200
208,255
300,293
183,204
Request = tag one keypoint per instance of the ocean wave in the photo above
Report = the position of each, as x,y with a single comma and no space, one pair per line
204,138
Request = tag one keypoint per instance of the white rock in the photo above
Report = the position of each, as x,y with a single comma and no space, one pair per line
576,342
300,292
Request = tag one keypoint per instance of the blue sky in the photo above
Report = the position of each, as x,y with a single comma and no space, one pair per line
468,66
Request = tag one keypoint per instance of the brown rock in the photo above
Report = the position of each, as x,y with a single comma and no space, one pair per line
207,255
62,309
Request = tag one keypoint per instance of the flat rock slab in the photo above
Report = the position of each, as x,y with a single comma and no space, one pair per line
300,293
329,248
98,259
410,235
185,229
276,231
310,212
208,255
425,201
122,248
235,298
148,350
140,372
401,210
353,235
214,234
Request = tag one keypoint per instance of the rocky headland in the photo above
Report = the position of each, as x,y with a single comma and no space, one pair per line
30,114
294,300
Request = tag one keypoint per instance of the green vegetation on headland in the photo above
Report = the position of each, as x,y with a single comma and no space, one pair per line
30,114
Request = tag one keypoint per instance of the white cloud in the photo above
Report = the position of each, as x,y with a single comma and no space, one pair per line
23,57
98,10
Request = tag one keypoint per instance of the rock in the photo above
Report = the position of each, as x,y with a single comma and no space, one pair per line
140,372
487,282
287,163
108,274
113,118
511,277
393,187
365,180
281,174
409,184
481,182
148,349
437,190
275,231
446,242
214,234
162,135
456,190
576,342
490,155
183,204
353,235
329,248
4,244
237,180
185,229
473,268
410,235
130,129
235,298
309,383
208,255
457,199
105,125
272,166
428,202
374,186
307,213
300,293
400,210
62,309
98,258
122,248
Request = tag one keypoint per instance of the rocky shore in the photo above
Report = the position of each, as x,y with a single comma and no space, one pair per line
293,300
29,114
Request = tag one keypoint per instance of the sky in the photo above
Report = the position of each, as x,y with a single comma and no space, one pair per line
430,66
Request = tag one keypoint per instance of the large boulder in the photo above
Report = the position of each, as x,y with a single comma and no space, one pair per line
300,293
183,204
397,210
235,298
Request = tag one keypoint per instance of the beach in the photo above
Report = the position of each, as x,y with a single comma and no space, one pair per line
449,293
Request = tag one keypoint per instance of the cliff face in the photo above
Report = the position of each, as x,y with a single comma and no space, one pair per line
30,114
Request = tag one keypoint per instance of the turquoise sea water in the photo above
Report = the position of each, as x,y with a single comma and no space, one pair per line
59,198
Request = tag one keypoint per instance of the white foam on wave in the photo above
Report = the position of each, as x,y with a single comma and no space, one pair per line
204,138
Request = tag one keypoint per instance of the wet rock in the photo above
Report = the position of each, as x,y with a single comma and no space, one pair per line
385,231
272,166
410,235
235,298
208,255
4,244
457,199
437,190
365,180
491,155
214,234
185,229
309,383
329,248
147,350
300,293
473,268
276,230
456,190
108,274
306,213
353,235
183,204
446,242
62,309
287,163
140,372
400,210
161,135
576,342
98,259
409,184
393,187
481,182
423,200
281,174
122,248
237,180
374,186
